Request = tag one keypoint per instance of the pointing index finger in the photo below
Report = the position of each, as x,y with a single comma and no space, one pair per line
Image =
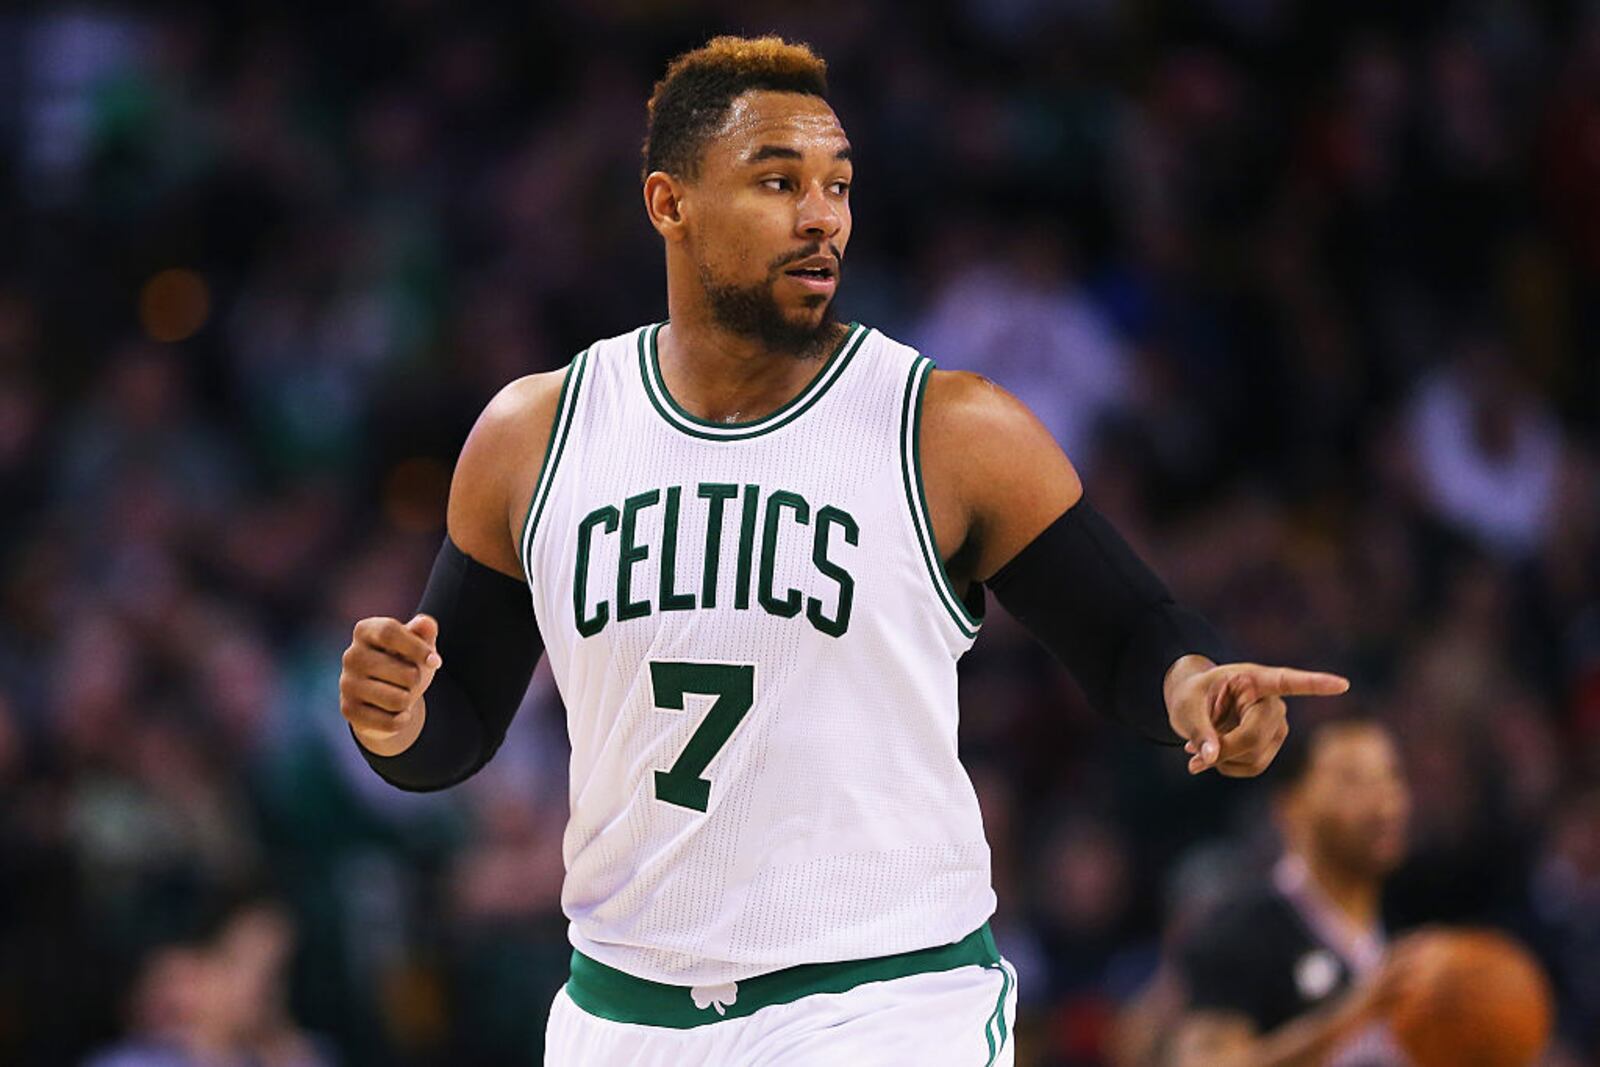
1289,682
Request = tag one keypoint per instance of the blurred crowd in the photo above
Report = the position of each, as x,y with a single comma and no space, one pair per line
1311,293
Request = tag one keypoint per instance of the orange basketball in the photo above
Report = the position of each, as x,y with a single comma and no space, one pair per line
1482,1001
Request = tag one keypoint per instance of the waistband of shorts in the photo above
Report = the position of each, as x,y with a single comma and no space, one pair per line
612,994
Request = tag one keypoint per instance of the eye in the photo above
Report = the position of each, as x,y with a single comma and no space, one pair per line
840,188
775,184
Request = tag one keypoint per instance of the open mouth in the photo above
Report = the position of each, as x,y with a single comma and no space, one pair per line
813,276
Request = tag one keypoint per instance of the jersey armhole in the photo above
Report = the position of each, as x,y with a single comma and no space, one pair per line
566,404
967,618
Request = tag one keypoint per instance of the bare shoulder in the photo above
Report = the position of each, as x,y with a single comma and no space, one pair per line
964,402
983,432
498,463
524,406
984,450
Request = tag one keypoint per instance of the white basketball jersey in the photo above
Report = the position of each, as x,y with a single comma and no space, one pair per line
756,643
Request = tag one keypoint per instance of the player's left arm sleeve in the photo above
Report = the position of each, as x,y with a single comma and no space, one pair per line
489,641
1087,596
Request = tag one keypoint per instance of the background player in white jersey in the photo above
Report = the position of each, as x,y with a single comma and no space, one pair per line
755,545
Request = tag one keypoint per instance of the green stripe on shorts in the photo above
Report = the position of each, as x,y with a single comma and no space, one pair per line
611,994
996,1025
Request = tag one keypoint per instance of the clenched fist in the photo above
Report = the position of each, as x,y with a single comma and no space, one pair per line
387,668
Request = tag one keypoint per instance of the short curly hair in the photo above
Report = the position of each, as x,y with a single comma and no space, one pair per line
1295,758
693,98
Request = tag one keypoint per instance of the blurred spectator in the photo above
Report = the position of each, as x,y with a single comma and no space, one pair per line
1565,897
1488,453
1014,314
221,1002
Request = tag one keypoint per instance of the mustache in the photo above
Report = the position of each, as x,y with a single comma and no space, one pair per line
787,258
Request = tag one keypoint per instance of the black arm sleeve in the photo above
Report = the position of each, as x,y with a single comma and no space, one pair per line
1083,592
489,642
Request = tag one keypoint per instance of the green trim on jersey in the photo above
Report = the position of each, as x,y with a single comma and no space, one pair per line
611,994
917,498
655,388
566,404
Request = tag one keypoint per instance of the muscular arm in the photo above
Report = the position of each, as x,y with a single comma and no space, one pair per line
996,480
495,474
1007,510
461,712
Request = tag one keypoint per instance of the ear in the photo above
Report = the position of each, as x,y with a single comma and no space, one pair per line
663,202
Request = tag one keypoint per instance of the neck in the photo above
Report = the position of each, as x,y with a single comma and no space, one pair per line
695,330
1356,895
721,375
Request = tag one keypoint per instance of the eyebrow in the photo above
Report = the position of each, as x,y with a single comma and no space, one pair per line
773,151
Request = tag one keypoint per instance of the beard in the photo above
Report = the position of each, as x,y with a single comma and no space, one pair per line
1352,850
752,311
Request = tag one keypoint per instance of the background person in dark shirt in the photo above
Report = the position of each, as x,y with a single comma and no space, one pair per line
1296,973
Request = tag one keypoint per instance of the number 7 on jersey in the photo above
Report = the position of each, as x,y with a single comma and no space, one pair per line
734,687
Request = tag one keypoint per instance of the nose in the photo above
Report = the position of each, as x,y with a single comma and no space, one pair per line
817,216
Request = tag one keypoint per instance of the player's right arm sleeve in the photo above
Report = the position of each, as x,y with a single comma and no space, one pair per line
489,642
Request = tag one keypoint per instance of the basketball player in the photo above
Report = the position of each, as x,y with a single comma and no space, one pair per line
753,542
1296,974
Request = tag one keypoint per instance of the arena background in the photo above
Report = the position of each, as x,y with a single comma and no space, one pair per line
1309,292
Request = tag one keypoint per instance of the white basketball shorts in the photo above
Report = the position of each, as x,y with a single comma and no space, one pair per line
951,1006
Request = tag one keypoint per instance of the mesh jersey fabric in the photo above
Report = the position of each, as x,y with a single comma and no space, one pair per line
756,646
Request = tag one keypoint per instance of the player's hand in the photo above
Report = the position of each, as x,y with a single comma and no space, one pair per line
387,668
1232,716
